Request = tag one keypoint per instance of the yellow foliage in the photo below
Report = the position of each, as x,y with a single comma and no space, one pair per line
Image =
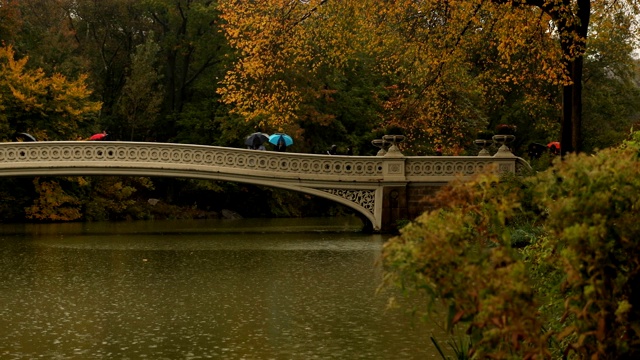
51,106
53,204
441,61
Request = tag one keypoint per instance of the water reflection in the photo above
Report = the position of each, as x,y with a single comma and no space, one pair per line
277,289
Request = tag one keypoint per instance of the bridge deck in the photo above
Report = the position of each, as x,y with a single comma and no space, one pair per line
356,181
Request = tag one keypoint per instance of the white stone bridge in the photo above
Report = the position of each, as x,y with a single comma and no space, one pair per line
382,189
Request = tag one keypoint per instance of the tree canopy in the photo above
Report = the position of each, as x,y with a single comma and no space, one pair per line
51,107
444,70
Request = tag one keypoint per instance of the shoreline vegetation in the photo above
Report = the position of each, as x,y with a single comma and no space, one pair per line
113,198
538,266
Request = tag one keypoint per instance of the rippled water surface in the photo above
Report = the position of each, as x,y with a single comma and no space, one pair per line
242,289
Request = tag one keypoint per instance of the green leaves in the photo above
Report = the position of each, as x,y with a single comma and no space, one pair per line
593,219
463,253
574,283
142,94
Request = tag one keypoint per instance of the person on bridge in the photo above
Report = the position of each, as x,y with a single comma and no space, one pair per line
256,143
535,150
333,150
281,146
554,147
99,136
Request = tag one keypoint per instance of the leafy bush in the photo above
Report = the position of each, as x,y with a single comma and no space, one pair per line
568,292
461,255
593,204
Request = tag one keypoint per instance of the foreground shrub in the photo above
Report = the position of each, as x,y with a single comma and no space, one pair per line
593,205
568,292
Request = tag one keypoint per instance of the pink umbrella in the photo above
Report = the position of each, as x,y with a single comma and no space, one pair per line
100,136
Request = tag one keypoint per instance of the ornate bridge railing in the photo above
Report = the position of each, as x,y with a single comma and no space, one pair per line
356,181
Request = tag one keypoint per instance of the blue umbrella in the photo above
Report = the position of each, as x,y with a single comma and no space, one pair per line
273,139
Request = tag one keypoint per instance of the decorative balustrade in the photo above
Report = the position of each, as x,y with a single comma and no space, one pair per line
276,163
440,166
264,163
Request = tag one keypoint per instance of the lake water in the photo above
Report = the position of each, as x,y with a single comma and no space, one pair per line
207,289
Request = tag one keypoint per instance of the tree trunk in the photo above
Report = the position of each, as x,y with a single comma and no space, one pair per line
576,108
572,28
566,126
571,126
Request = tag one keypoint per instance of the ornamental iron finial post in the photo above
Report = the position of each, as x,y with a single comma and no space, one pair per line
382,145
504,141
394,140
483,144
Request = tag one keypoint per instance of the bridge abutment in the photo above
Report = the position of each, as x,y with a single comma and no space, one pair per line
418,198
403,203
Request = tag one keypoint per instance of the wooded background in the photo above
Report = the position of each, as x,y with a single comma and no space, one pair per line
325,72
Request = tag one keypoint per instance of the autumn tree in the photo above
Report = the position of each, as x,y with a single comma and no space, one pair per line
572,20
53,202
446,66
51,107
426,79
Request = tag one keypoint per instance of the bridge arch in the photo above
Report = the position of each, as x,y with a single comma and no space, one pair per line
363,209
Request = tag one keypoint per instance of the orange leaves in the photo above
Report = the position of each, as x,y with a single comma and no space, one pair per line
24,86
264,33
444,64
288,52
286,49
58,102
54,204
70,96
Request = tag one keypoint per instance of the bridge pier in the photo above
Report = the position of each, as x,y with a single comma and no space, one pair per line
394,207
